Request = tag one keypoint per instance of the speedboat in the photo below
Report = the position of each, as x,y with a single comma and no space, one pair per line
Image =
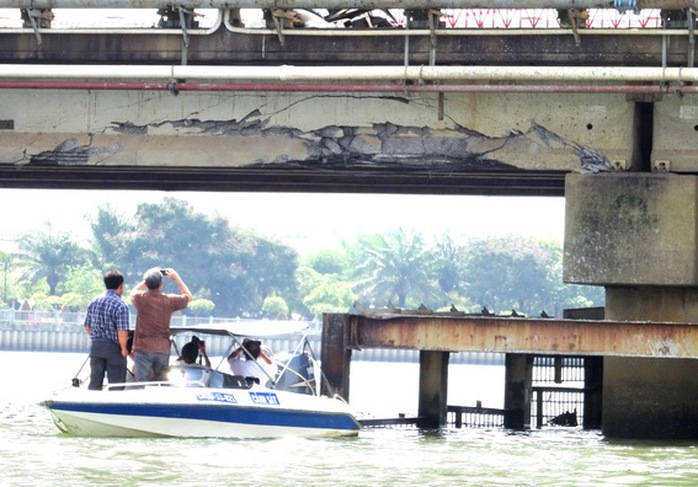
199,401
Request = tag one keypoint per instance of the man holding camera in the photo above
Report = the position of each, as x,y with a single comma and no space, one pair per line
151,341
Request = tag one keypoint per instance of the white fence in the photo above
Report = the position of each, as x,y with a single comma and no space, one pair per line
22,317
40,331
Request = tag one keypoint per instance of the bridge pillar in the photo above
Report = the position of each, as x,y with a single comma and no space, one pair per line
433,388
518,380
635,234
335,354
593,392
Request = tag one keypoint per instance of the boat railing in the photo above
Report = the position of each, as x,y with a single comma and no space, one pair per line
124,386
303,382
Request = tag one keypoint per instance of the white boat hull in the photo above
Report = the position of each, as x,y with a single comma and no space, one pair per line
196,412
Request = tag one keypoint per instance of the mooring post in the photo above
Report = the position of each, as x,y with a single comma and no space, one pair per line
336,354
518,380
433,389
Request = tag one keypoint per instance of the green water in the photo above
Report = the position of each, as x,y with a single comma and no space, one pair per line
33,452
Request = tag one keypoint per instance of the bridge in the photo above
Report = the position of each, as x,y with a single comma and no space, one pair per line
595,100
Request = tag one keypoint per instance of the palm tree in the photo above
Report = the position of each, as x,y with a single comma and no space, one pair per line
398,268
5,262
46,256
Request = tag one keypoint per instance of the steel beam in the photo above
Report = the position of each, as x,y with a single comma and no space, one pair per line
280,179
526,335
548,47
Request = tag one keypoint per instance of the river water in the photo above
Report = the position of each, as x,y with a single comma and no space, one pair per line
33,452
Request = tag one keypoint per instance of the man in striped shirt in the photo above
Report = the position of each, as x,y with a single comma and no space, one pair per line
107,323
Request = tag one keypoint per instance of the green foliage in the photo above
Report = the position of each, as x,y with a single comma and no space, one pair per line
45,256
46,303
329,296
328,261
109,230
74,301
8,288
398,268
85,281
201,307
275,307
234,269
240,273
509,273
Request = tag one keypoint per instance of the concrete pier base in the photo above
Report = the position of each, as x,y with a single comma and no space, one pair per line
433,389
651,397
518,377
636,235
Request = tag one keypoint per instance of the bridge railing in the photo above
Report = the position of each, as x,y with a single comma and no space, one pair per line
488,18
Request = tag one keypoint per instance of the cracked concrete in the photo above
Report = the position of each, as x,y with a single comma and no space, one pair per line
384,144
475,133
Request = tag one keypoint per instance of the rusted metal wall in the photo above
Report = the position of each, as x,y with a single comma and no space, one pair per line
526,335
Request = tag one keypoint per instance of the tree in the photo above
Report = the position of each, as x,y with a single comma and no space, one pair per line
327,261
398,269
329,296
275,307
234,269
6,267
85,281
522,273
201,307
109,232
325,283
48,257
74,301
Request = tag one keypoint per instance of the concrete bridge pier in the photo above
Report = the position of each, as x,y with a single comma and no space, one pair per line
635,234
433,389
518,377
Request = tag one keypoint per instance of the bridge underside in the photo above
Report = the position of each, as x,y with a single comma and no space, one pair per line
464,113
222,47
510,136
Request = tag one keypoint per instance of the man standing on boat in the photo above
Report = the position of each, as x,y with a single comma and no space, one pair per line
151,341
107,323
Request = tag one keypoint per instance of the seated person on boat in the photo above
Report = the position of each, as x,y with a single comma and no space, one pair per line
250,361
193,351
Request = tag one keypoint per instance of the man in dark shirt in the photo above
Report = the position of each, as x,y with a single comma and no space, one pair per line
151,341
107,323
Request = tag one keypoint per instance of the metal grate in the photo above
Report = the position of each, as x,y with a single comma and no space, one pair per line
558,391
475,417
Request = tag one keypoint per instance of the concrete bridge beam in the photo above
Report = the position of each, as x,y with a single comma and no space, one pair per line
456,132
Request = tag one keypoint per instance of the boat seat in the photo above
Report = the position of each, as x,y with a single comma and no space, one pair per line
236,382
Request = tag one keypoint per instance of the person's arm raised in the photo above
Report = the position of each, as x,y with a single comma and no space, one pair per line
183,289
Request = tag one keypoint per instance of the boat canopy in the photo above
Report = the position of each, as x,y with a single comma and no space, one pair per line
257,328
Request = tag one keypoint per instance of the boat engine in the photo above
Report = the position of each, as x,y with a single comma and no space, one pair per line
296,372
